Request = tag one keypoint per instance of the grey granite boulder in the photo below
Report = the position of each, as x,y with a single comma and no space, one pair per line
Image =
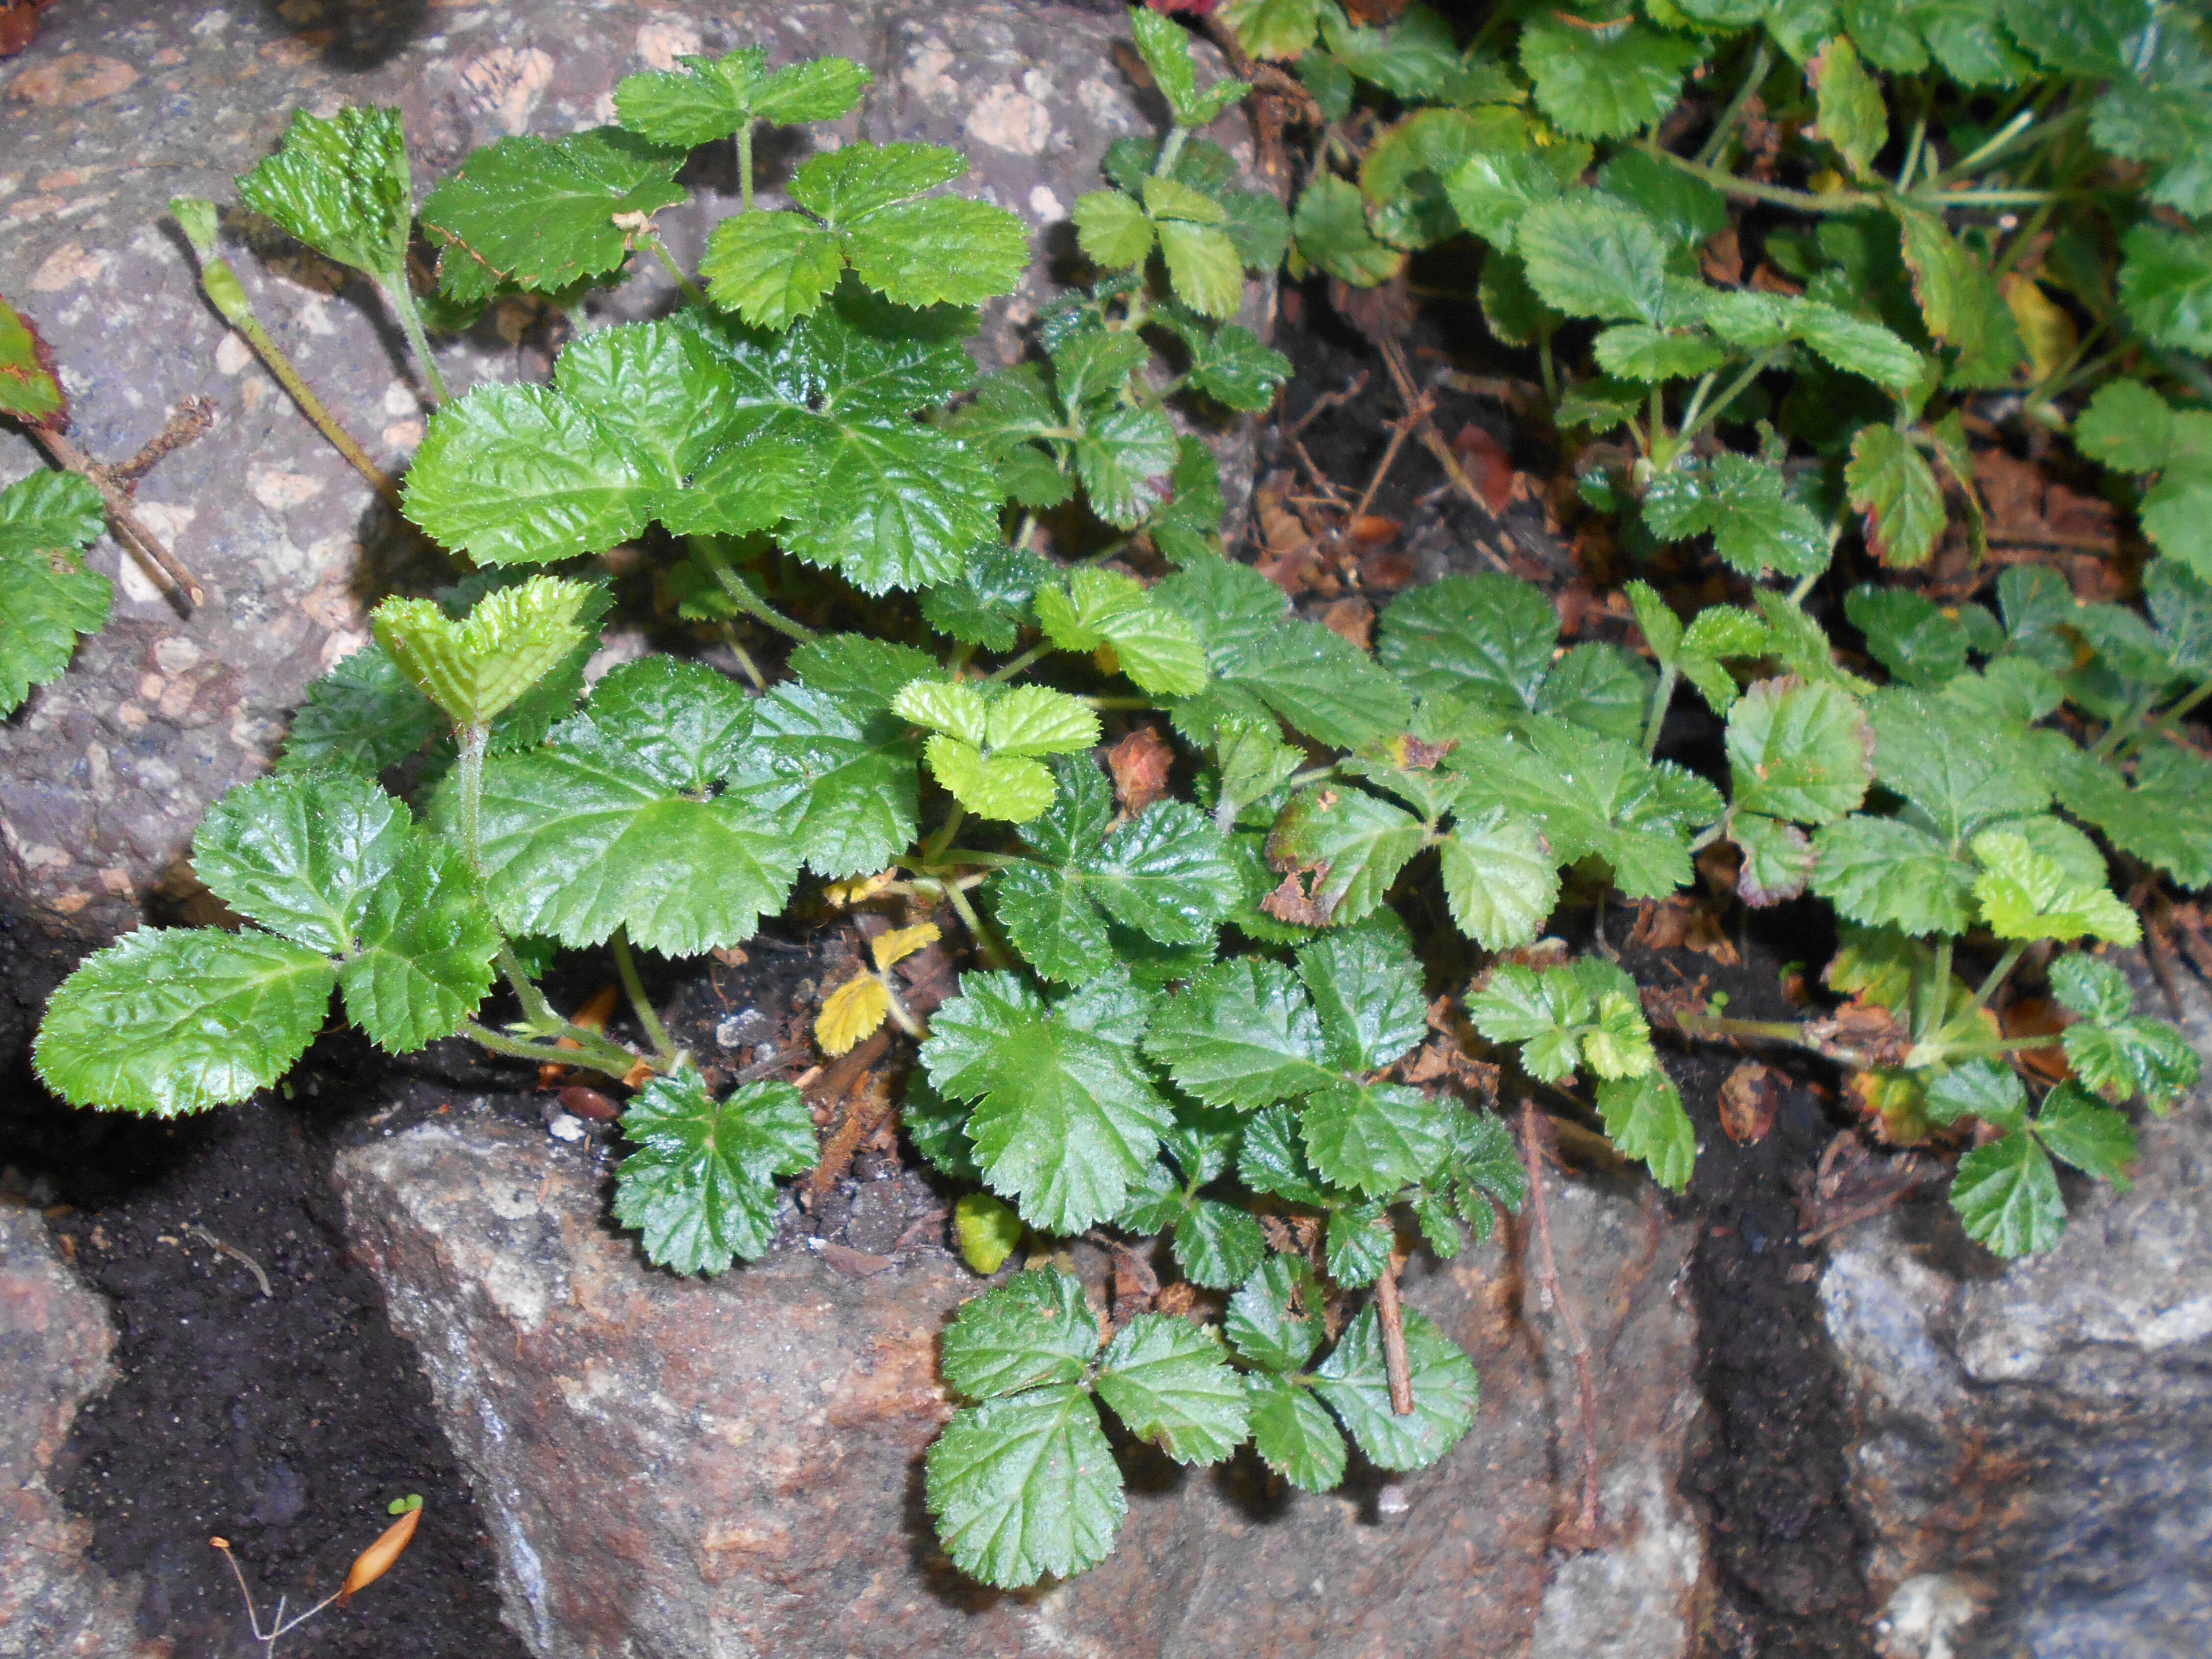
677,1468
118,105
2034,1443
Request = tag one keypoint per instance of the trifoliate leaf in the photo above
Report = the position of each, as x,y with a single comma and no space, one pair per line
2027,895
2163,815
2165,284
1355,1383
1242,1034
173,1020
1217,1244
1852,116
2129,1056
1798,751
1585,1012
1330,227
702,1187
1891,484
341,186
1366,989
1375,1138
616,821
360,717
1156,647
46,596
540,213
1273,1319
1354,843
1170,1382
2008,1195
1746,507
1644,1119
1035,1328
708,99
1980,1088
1294,1437
1608,83
29,390
855,771
1024,1485
2077,1129
864,204
1067,1119
1590,255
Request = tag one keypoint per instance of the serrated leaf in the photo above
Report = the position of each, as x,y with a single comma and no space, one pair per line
1644,1119
856,771
2028,895
2163,815
1170,1382
1636,351
421,961
1487,636
1034,1329
29,390
2165,284
341,186
1355,1383
1217,1244
2096,990
1242,1034
1591,255
1962,773
854,1010
1608,83
1357,1245
1354,843
1330,228
1375,1138
1124,457
1776,858
1499,880
1366,990
2077,1129
1272,28
1851,114
1293,1435
2128,1057
172,1020
1025,1485
1798,751
617,822
2008,1195
475,669
362,716
1066,1118
46,596
1263,1324
1746,507
1231,366
540,213
1489,190
1980,1088
1113,229
302,854
1908,634
701,1186
1007,787
1884,872
714,98
1891,484
865,674
1270,1159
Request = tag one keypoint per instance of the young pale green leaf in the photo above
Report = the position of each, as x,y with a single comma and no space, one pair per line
1354,843
702,1186
540,213
46,596
1034,1329
1007,787
1592,255
1293,1435
1893,485
1272,28
1066,1120
1366,989
476,668
1217,1245
1798,751
1956,295
1170,1382
1644,1119
1330,229
172,1020
1205,268
1499,880
2077,1128
1242,1034
616,822
1375,1138
1355,1383
341,186
1608,84
1852,118
2008,1195
1113,229
2028,895
362,716
1024,1485
1157,647
1746,507
1582,1012
708,99
1981,1088
2131,1056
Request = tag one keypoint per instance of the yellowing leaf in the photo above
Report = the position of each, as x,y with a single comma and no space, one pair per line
2047,330
988,1231
373,1562
901,943
853,1011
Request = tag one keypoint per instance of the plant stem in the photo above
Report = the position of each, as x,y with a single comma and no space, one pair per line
1761,61
1913,148
2014,952
2159,722
1712,412
2016,135
1802,587
1006,670
648,1020
745,596
2008,1046
1927,1008
1118,703
1661,694
1720,1025
544,1053
691,291
994,954
932,850
745,167
1170,152
1842,201
468,773
410,322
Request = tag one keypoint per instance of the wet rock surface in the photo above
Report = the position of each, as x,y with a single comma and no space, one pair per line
119,105
674,1468
2033,1445
55,1343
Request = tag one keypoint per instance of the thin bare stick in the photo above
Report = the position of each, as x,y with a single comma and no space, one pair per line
1326,401
163,568
1587,1519
1433,440
1392,1318
187,423
1398,431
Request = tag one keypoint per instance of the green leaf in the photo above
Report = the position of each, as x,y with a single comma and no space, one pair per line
1852,116
1891,484
2163,817
1270,1160
1067,1119
475,669
2129,426
2027,895
702,1186
1690,210
1231,366
1608,83
1956,295
1217,1244
1035,1328
1330,226
46,596
1644,1119
1113,229
1488,637
540,213
2077,1129
1355,1383
1293,1435
1257,225
1585,1012
2008,1195
1007,787
772,268
715,98
1242,1034
29,390
302,854
1416,57
1602,687
1636,351
1375,1138
1366,989
856,770
1855,345
341,186
1167,53
1778,859
617,822
1124,457
1908,634
1981,1088
1025,1485
422,957
1170,1382
1887,872
1499,880
988,603
362,716
1798,751
1263,1325
1745,505
1272,28
1961,771
2096,990
1491,189
1590,255
2128,1057
172,1020
1354,843
1358,1244
2166,283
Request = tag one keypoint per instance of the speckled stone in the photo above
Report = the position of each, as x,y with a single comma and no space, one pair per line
119,105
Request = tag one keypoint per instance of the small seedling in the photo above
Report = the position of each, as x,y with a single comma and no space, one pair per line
371,1564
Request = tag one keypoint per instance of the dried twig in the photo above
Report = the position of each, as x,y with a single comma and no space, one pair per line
1326,401
1392,1318
192,418
1398,431
1417,406
233,1252
162,567
1588,1521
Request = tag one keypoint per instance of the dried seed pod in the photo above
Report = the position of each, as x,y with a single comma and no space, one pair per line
373,1562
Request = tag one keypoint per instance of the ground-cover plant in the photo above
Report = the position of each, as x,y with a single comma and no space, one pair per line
1200,993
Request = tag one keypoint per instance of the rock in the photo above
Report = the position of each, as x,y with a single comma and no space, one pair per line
677,1468
2033,1443
55,1340
119,105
